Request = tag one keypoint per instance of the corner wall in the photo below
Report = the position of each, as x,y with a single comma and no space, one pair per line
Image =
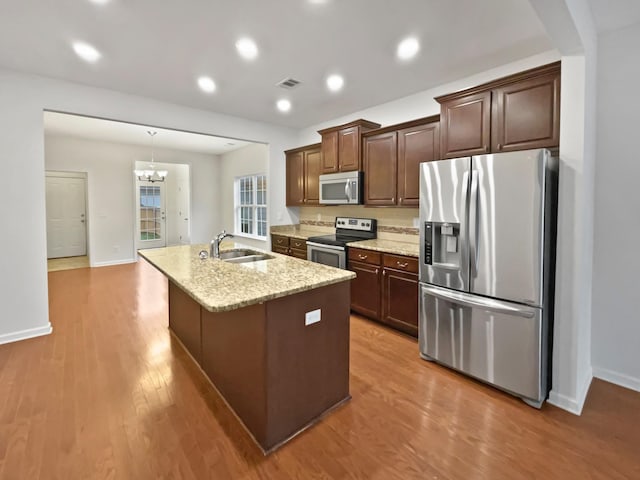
616,317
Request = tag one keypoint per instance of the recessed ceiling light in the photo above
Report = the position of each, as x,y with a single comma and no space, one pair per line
207,84
247,48
86,52
408,48
283,105
335,83
318,2
100,2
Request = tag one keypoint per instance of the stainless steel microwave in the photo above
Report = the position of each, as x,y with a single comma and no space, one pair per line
344,188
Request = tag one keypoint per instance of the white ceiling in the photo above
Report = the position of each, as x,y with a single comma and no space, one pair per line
120,132
158,48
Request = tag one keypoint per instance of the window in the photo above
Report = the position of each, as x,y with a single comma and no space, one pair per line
251,206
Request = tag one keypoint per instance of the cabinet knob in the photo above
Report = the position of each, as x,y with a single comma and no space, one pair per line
377,271
362,257
402,265
384,272
486,149
499,146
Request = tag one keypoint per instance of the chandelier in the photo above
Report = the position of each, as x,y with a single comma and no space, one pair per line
151,174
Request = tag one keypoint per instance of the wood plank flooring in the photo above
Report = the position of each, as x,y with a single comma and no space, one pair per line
111,395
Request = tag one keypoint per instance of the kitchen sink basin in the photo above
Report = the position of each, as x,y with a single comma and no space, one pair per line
248,258
243,256
236,254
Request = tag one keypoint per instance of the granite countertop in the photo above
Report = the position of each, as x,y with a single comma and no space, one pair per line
389,246
221,286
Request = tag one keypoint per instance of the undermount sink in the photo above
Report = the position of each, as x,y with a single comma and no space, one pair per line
237,253
243,256
249,258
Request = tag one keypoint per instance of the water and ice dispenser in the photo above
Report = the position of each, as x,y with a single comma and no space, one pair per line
441,244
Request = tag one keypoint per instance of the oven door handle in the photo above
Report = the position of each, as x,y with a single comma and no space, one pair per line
322,245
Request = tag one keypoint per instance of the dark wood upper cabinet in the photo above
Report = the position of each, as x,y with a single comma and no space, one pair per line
312,159
526,114
517,112
380,165
341,146
329,152
465,125
302,173
295,178
392,157
415,145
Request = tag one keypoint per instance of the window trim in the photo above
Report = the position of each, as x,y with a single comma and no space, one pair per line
237,231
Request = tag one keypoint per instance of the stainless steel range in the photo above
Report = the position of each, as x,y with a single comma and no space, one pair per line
332,249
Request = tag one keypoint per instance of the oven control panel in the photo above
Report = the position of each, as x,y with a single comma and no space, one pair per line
359,224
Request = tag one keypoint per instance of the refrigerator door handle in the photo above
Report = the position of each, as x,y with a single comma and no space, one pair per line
478,302
473,224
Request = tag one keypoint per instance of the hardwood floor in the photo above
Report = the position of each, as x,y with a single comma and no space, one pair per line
111,395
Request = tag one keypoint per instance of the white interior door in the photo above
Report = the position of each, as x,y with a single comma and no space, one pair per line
151,215
183,211
66,216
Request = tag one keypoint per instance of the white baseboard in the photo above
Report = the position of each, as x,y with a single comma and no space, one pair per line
24,334
573,405
114,262
626,381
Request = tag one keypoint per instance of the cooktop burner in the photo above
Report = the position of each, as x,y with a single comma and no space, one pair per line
348,230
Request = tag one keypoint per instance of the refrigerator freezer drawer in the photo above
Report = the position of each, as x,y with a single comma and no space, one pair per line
498,342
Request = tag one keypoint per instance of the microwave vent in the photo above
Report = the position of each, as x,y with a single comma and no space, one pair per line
288,83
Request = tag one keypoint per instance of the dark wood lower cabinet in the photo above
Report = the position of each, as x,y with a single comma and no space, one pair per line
365,289
184,320
278,372
400,300
386,288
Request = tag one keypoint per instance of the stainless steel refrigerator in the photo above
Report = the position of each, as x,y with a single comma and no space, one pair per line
487,262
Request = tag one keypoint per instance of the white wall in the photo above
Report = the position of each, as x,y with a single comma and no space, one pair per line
23,287
616,317
110,192
249,160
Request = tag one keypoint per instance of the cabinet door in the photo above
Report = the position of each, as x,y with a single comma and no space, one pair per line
465,125
312,159
380,163
400,300
349,149
415,145
295,179
329,152
526,114
280,244
365,289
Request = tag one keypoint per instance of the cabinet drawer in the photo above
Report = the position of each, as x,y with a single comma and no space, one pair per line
299,244
282,250
366,256
279,241
298,253
400,262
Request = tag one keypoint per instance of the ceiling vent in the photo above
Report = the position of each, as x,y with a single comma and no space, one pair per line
288,83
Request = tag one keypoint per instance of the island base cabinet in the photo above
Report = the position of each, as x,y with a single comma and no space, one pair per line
276,368
184,320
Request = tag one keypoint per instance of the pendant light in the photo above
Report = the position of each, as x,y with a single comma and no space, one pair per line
151,175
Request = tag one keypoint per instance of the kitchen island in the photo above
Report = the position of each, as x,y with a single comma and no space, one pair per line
272,336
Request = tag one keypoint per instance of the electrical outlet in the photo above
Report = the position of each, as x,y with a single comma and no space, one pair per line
416,222
318,217
312,317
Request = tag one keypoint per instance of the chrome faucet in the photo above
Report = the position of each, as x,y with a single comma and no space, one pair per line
214,251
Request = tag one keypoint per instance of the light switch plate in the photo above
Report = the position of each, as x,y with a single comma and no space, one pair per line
312,317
